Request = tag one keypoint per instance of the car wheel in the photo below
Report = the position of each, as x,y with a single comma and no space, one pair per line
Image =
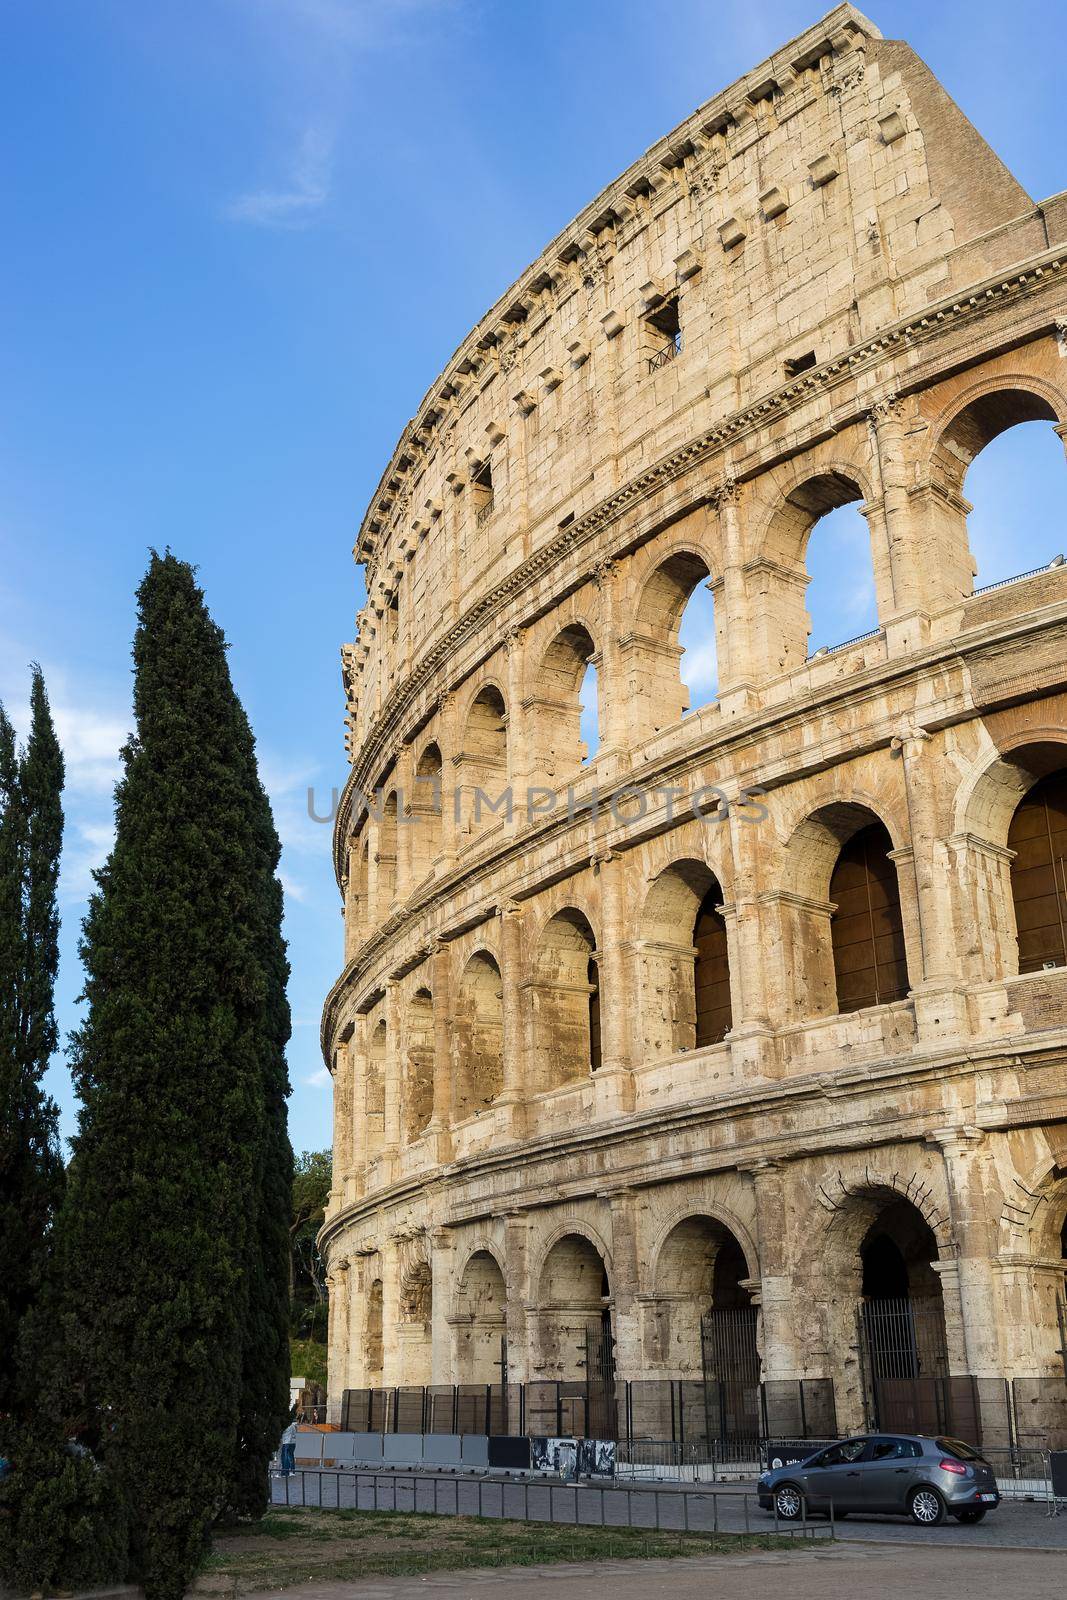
972,1514
788,1502
926,1507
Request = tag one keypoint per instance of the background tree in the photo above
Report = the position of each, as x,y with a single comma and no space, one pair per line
31,1168
172,1262
312,1178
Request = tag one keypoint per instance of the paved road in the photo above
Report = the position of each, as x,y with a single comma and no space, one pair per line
858,1571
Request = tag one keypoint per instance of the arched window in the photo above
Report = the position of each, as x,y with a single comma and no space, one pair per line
483,773
840,596
426,806
479,1037
575,1303
815,585
1038,835
866,929
1017,489
711,971
564,705
385,856
685,970
481,1320
666,675
567,1004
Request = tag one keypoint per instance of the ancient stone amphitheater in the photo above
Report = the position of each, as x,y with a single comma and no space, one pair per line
735,1051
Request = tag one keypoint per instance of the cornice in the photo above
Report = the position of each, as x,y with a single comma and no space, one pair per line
1037,275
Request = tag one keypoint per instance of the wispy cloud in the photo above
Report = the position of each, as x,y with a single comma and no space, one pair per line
318,1080
305,191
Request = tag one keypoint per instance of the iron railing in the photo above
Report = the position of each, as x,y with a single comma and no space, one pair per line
665,353
1034,572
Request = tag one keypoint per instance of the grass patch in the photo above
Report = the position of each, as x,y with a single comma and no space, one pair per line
295,1545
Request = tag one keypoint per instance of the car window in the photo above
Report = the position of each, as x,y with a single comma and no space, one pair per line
895,1449
957,1448
840,1454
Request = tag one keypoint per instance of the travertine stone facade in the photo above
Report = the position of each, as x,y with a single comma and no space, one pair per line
823,287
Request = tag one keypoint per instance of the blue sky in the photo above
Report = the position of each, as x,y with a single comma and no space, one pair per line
242,236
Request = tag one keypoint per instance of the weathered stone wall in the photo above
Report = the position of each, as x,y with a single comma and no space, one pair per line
510,1155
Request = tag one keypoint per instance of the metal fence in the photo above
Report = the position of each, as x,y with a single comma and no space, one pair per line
679,1510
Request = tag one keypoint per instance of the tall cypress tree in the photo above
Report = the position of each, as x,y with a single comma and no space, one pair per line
180,1155
31,1170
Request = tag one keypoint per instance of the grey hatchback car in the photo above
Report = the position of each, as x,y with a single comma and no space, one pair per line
922,1477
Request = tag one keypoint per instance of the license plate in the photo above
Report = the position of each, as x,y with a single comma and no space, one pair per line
989,1497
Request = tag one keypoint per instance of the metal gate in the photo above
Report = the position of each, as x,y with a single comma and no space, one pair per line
904,1362
600,1409
730,1357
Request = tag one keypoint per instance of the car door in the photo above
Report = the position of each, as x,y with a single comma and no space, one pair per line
834,1477
888,1472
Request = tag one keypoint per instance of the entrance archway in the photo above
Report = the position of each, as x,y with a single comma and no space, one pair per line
480,1321
575,1306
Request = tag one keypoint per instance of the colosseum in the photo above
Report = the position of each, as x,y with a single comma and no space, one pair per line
718,1045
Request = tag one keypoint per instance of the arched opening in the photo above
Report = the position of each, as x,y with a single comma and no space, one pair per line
816,581
481,1320
705,1319
575,1306
566,1002
478,1037
385,856
902,1316
418,1078
483,763
840,599
662,682
840,959
1038,837
997,486
561,705
416,1295
866,930
373,1339
685,965
1017,492
374,1092
426,807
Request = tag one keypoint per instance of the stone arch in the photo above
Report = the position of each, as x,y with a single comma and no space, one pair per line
426,807
556,703
418,1073
988,801
831,968
482,762
778,579
651,653
385,854
700,1266
974,418
480,1317
478,1074
685,960
566,1001
574,1303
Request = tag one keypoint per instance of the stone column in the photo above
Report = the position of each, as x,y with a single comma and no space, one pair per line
337,1332
625,1281
357,1181
613,753
755,951
393,1072
613,1084
739,671
405,823
776,1290
449,745
521,1297
439,1127
940,1005
518,729
906,623
442,1274
970,1275
343,1116
513,1095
